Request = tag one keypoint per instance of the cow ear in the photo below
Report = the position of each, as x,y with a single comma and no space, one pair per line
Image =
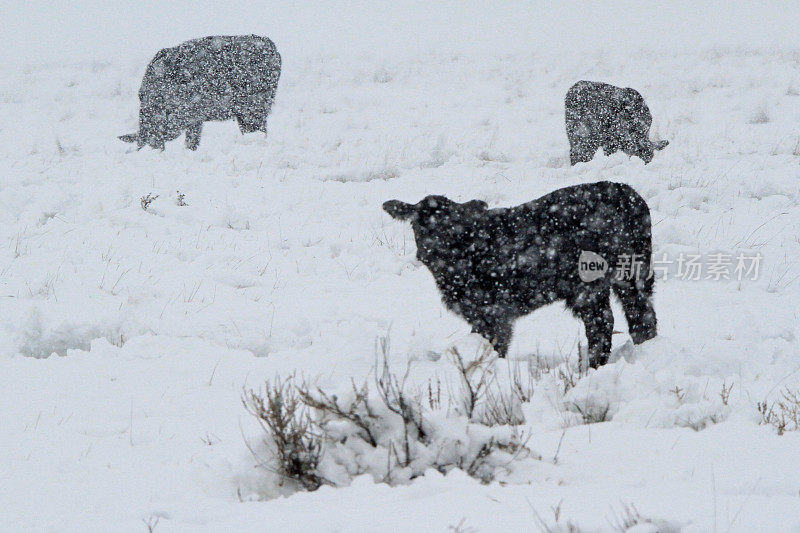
660,145
129,138
400,210
633,95
477,205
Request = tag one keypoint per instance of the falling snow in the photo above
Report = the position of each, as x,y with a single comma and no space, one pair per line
133,314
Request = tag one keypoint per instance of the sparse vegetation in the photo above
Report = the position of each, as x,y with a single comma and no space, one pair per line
394,433
557,526
627,519
474,379
725,393
700,422
382,75
462,527
679,393
145,201
568,376
297,447
630,519
760,117
784,413
151,523
590,412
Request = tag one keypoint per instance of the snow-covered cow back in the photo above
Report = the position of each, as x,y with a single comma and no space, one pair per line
212,78
493,266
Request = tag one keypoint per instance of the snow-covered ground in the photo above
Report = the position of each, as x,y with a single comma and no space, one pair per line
283,262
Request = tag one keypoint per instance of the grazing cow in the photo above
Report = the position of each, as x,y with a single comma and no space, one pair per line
213,78
493,266
601,115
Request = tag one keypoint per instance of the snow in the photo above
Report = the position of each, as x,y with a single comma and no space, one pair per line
283,262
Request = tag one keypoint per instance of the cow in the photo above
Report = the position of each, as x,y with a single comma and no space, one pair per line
493,266
212,78
602,115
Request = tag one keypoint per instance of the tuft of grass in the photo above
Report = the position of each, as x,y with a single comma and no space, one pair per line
382,75
784,413
462,527
700,423
151,523
557,525
591,414
630,519
145,201
725,393
760,117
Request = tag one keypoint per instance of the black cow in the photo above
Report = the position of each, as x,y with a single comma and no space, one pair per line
493,266
602,115
213,78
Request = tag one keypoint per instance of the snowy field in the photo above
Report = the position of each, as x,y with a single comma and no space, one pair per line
129,334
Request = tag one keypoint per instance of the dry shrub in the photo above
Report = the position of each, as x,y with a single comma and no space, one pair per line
393,432
784,413
297,447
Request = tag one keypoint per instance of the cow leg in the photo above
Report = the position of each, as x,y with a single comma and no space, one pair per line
264,109
593,307
263,126
497,331
244,124
260,121
250,121
639,312
193,135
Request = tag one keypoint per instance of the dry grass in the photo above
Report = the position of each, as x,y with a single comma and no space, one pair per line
784,413
760,117
297,446
301,422
145,201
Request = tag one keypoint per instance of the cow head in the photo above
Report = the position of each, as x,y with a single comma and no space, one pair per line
156,126
442,227
161,117
646,149
634,127
132,138
151,130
